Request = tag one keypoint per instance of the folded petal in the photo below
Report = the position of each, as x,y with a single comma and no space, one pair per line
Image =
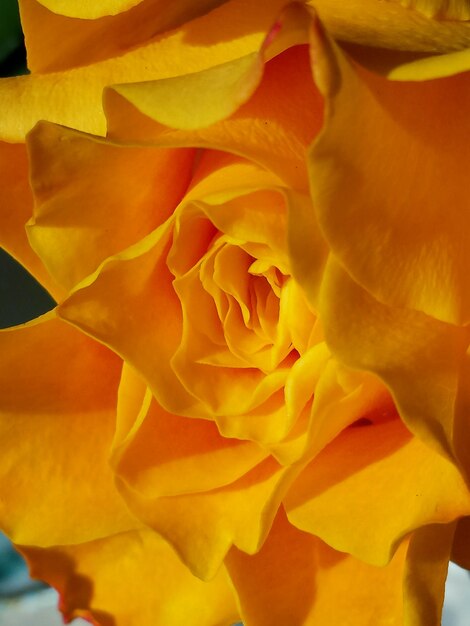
61,34
427,561
160,454
203,526
297,579
131,579
461,546
391,25
423,361
16,208
407,244
130,305
94,198
269,127
444,9
372,486
58,392
73,97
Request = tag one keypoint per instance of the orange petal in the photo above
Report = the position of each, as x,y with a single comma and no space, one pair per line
443,9
461,545
381,469
131,579
203,526
407,244
58,393
423,361
131,306
108,196
426,567
391,25
16,207
73,97
269,128
165,455
298,579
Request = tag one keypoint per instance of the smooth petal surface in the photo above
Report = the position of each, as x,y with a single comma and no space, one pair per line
94,198
57,412
407,244
161,454
381,469
444,9
73,97
202,527
297,579
130,305
270,128
427,561
70,34
16,208
390,25
396,344
131,579
87,9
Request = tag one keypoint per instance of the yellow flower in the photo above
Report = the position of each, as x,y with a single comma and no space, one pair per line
180,443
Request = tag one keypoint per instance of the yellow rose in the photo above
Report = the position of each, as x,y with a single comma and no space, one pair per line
181,399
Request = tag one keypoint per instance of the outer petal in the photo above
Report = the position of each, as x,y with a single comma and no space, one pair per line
447,9
461,545
73,98
57,413
408,244
423,361
87,9
427,562
390,25
297,579
94,198
270,127
16,207
56,42
131,579
382,470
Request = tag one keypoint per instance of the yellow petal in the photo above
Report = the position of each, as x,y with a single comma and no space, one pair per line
73,98
426,567
203,526
94,198
16,207
422,361
131,579
381,469
270,128
58,393
298,579
121,306
443,9
87,9
391,25
166,455
58,41
407,244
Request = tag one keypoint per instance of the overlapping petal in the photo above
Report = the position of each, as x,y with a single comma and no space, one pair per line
57,414
381,469
409,590
406,244
128,191
131,579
